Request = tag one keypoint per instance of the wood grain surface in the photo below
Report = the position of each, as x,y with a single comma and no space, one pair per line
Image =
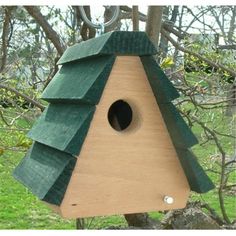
129,171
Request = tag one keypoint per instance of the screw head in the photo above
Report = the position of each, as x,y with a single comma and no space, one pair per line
168,200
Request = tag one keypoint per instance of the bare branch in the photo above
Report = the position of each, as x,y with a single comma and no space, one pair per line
208,61
232,25
174,14
135,18
225,135
219,22
28,99
223,161
142,17
230,186
197,18
170,28
3,119
49,31
228,47
213,213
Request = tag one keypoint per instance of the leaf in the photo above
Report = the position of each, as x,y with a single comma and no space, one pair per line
167,62
23,141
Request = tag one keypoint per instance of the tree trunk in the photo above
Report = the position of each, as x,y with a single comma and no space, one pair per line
141,220
153,25
5,36
232,25
135,18
169,25
163,41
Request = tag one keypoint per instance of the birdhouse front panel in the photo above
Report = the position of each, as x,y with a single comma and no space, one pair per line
111,141
126,169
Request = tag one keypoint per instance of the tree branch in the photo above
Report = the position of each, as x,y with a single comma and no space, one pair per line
174,14
223,161
232,25
28,99
142,17
228,47
213,213
208,61
219,22
170,28
5,33
197,18
49,31
135,18
153,25
142,220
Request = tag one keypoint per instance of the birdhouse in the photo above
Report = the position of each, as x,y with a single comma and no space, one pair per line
111,141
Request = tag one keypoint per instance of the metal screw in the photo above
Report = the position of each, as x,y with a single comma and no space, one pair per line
168,200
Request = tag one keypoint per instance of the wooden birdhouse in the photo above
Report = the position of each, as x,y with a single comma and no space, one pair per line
111,141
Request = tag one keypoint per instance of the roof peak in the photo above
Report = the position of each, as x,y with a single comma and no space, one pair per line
115,42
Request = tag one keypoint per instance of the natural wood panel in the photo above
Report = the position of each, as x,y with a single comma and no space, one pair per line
128,171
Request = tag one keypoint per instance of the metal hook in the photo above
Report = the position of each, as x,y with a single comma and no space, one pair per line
102,29
99,26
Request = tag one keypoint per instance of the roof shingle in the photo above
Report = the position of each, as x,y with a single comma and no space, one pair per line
116,42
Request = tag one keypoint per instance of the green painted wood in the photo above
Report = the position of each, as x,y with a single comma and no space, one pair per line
81,81
162,88
180,133
63,126
117,42
196,176
56,193
41,168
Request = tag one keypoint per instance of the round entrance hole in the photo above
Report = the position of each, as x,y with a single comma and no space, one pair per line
120,115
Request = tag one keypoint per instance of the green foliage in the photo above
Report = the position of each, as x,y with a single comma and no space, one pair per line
208,76
23,141
167,63
13,130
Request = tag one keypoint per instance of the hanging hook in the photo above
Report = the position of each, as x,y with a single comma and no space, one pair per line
102,29
102,25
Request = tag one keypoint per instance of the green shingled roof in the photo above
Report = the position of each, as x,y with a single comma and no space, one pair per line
112,43
73,95
80,82
63,126
180,133
197,178
157,80
41,168
56,193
